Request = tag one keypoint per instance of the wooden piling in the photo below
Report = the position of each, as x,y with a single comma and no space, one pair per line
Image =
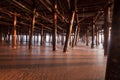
41,42
75,33
32,29
106,31
55,27
14,37
78,35
92,43
68,34
96,36
113,62
87,41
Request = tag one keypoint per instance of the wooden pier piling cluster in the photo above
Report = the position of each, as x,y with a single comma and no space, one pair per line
72,22
65,23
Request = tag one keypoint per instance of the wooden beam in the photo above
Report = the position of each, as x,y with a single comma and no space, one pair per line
60,16
49,9
21,6
68,1
24,7
25,18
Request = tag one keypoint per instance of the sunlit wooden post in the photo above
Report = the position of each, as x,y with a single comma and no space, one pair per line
31,29
14,37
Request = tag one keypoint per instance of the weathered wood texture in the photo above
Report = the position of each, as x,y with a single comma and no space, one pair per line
113,63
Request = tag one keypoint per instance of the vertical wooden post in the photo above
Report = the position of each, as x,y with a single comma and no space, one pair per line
77,38
69,44
57,38
92,43
31,29
34,38
101,36
55,27
87,41
62,39
44,38
17,36
75,33
4,35
8,37
96,36
26,38
21,38
49,37
14,37
68,34
41,43
0,35
37,37
106,31
113,62
84,38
